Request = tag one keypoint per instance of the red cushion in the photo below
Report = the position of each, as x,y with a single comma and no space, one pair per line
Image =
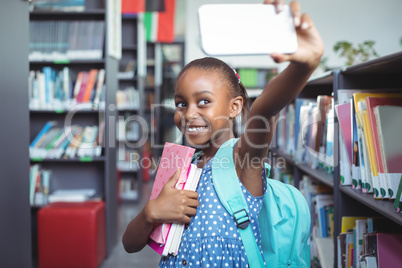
71,235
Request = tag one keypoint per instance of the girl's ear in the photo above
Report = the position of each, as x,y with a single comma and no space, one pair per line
236,106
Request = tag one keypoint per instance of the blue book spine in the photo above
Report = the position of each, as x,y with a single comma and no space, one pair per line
42,132
47,71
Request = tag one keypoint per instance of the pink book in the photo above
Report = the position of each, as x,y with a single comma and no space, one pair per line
344,117
173,156
389,248
371,103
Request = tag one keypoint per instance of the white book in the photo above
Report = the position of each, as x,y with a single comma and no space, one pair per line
176,230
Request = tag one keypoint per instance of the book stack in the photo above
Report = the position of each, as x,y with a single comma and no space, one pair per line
370,147
54,141
165,238
39,181
321,204
50,89
66,40
369,242
305,131
128,99
59,5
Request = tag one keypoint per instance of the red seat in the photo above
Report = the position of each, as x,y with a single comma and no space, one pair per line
71,235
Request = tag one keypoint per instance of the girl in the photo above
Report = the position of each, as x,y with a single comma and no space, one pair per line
208,96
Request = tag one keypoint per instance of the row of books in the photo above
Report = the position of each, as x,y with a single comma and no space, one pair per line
66,40
59,5
128,98
128,129
321,204
128,188
54,141
370,145
369,242
40,185
128,159
50,89
305,131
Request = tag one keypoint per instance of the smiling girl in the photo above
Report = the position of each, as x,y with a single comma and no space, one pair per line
208,96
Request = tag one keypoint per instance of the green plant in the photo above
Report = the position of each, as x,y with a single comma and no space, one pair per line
361,53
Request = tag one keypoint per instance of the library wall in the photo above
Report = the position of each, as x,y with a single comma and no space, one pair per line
354,21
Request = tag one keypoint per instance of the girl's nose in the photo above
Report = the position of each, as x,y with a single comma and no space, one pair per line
191,113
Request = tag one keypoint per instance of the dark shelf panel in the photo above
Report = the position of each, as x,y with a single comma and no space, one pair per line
129,47
323,79
128,79
128,110
69,160
129,16
63,112
384,207
387,64
98,14
318,174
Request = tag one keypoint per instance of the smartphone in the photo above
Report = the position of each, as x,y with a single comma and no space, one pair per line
246,29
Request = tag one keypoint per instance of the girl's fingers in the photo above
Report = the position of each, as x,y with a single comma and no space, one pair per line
296,13
190,194
278,4
306,22
278,58
193,203
190,211
175,177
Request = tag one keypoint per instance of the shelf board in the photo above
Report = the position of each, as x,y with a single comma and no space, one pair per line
61,15
384,207
325,78
129,47
387,64
318,174
128,110
134,79
68,62
64,111
69,160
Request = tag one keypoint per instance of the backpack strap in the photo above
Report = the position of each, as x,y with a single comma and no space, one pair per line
230,194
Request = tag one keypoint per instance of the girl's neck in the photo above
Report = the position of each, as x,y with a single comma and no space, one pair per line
212,147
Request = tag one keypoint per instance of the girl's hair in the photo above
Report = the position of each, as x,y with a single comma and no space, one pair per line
228,73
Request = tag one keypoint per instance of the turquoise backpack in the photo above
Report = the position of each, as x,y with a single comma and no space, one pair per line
284,219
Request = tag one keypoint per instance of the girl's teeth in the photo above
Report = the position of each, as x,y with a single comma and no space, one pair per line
192,129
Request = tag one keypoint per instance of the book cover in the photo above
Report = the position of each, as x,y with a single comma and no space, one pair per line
173,156
90,85
389,248
371,103
389,121
349,222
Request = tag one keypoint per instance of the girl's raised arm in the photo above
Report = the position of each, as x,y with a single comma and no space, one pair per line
261,123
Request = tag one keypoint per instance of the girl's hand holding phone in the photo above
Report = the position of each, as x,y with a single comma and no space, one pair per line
172,205
310,46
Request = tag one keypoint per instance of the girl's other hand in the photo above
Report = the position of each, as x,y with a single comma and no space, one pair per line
172,205
310,46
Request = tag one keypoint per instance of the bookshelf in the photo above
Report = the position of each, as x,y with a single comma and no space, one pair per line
173,63
383,73
94,171
128,173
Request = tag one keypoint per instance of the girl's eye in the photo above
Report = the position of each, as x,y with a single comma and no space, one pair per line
180,105
203,102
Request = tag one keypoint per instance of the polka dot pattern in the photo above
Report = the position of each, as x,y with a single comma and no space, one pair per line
212,239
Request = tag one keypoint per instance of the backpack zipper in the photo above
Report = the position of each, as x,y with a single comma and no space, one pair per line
289,262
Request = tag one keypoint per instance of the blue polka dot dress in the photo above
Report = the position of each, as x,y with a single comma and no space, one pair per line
212,239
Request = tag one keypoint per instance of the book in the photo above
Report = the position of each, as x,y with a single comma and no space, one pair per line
71,195
173,156
389,248
389,120
371,103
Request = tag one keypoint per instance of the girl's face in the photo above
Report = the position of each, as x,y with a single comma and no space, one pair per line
203,107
